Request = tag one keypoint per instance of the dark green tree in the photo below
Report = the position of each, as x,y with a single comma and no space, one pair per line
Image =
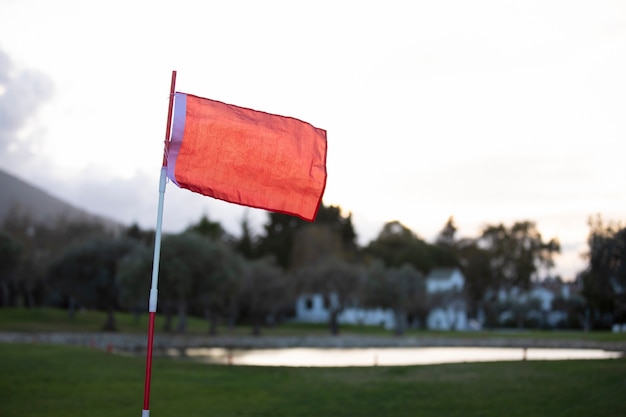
135,278
403,290
277,240
475,263
332,217
397,245
209,229
446,237
444,252
9,260
219,292
197,274
517,254
41,242
247,243
264,292
604,279
144,236
185,262
280,232
314,243
88,275
574,306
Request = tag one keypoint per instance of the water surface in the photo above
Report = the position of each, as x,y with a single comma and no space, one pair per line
338,357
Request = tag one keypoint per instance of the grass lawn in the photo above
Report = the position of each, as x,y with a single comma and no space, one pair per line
46,381
56,320
52,380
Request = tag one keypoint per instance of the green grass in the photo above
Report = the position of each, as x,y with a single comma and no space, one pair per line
49,381
57,320
42,380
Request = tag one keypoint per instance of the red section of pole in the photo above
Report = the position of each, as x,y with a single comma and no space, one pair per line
146,393
155,267
169,117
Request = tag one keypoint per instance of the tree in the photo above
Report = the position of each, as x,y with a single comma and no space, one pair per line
336,280
209,229
604,279
332,217
264,292
397,245
9,259
188,262
314,243
574,307
281,230
446,235
219,291
403,290
475,263
41,241
144,236
277,241
88,274
134,277
198,274
517,254
247,244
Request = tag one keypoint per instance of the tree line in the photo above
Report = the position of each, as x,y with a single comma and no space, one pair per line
255,278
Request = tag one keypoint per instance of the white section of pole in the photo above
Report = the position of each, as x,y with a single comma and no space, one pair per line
157,243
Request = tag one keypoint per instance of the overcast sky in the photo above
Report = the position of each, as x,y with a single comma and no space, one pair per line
488,111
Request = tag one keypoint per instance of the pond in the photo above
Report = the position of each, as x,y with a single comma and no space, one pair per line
341,357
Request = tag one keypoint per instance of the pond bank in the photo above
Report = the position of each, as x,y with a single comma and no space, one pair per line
138,343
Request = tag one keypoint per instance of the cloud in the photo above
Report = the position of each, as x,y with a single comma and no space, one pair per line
134,200
22,92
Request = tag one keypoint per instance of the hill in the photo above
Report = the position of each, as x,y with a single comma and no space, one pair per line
39,204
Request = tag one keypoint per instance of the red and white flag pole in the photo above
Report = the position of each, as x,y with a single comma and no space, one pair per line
157,255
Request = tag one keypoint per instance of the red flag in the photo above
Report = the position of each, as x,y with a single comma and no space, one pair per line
247,157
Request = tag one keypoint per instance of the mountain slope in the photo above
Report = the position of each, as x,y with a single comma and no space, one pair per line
37,203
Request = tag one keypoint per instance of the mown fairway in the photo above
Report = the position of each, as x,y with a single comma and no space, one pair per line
52,380
42,380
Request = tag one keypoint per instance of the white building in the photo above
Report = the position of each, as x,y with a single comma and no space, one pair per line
450,311
449,314
311,308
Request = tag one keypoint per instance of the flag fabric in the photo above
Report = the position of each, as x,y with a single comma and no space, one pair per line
247,157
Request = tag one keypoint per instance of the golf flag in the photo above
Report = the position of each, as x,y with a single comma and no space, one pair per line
247,157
